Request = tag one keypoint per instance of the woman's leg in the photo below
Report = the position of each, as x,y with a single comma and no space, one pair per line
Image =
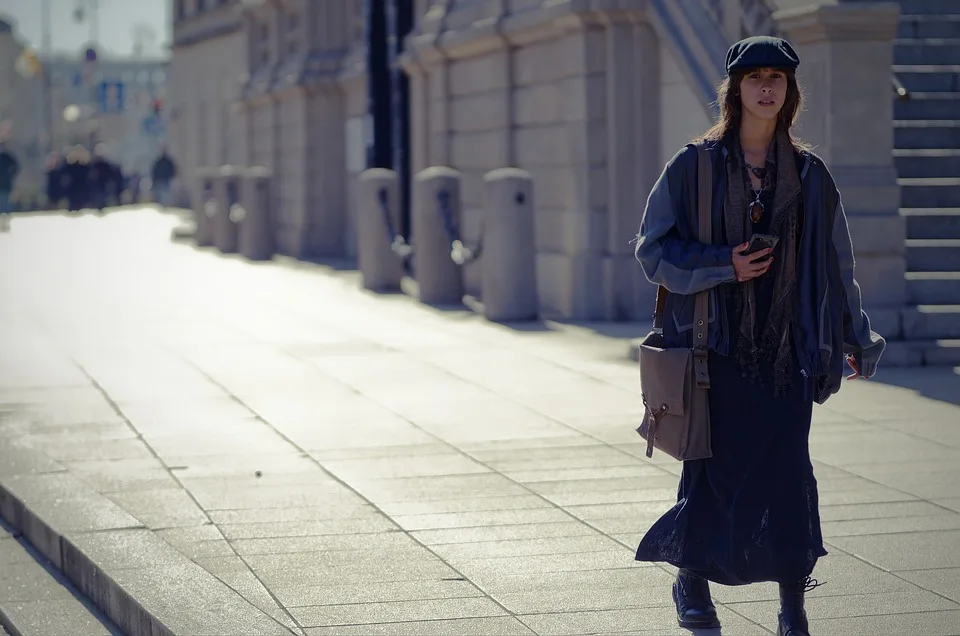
792,619
695,609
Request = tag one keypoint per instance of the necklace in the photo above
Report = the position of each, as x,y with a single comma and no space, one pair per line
759,173
756,208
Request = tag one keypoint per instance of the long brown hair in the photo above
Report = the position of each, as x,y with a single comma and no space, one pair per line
731,110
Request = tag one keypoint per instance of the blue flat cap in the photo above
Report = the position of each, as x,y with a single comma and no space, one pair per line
761,51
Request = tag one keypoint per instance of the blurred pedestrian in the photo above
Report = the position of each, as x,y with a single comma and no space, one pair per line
9,167
163,172
133,187
103,180
54,170
780,322
75,179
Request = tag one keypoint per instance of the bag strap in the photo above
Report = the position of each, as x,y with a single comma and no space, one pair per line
704,235
701,310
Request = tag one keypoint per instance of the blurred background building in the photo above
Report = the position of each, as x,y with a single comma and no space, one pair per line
51,99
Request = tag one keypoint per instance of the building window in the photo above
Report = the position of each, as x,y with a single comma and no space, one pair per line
181,10
201,6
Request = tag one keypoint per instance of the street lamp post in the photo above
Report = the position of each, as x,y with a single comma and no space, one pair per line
401,22
379,150
46,107
80,14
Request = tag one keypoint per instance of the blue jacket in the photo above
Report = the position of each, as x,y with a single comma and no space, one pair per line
830,322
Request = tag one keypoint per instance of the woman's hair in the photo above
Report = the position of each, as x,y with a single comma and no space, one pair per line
731,110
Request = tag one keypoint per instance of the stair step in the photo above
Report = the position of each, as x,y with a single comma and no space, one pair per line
931,322
927,7
930,78
928,105
927,51
932,223
933,255
929,26
916,353
925,133
930,162
937,192
933,288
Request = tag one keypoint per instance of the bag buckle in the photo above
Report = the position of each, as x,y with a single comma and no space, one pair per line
653,417
701,372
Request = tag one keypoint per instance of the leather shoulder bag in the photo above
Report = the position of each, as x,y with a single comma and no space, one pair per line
675,382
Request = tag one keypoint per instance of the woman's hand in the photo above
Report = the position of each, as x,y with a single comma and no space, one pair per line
750,266
859,372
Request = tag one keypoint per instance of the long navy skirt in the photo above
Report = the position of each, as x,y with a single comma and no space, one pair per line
750,512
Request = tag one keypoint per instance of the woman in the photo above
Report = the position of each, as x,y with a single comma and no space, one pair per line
782,321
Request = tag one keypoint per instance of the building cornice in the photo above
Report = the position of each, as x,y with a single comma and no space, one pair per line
453,31
216,23
818,23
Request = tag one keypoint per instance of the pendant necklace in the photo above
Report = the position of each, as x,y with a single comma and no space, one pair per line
756,209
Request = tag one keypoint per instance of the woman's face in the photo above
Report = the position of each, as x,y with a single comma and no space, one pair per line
762,92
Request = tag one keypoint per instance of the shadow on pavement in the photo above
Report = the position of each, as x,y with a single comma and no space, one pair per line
936,383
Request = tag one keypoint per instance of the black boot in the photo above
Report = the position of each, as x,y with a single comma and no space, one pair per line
695,609
792,617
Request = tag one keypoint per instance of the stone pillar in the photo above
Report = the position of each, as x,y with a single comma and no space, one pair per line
633,158
378,217
846,54
509,260
256,240
439,278
225,229
205,207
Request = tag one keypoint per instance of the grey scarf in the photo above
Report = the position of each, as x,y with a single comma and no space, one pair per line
774,343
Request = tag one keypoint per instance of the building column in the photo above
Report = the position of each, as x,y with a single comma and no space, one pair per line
846,53
633,156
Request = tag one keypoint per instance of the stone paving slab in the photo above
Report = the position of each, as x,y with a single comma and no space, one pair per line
209,446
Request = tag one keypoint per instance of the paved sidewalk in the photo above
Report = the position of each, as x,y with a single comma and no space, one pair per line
212,447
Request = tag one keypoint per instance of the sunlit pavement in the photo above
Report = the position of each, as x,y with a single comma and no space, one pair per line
264,449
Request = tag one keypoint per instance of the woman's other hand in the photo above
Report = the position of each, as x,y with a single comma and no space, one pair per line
750,266
859,372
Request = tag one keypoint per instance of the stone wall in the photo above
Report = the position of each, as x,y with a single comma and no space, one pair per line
208,66
683,116
297,105
563,95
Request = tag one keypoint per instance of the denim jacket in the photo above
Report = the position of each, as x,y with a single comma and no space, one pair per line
830,320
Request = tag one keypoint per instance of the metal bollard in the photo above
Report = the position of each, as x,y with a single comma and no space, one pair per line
225,230
508,275
255,239
205,209
436,197
381,249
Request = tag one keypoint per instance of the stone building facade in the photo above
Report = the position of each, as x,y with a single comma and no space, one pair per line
207,73
591,97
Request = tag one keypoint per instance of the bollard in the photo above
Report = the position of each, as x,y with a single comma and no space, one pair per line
508,276
436,199
253,214
205,209
380,247
225,230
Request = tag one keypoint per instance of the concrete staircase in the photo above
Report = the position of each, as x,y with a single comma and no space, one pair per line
927,156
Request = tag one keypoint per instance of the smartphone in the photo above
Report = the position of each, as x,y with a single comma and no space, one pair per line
760,242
